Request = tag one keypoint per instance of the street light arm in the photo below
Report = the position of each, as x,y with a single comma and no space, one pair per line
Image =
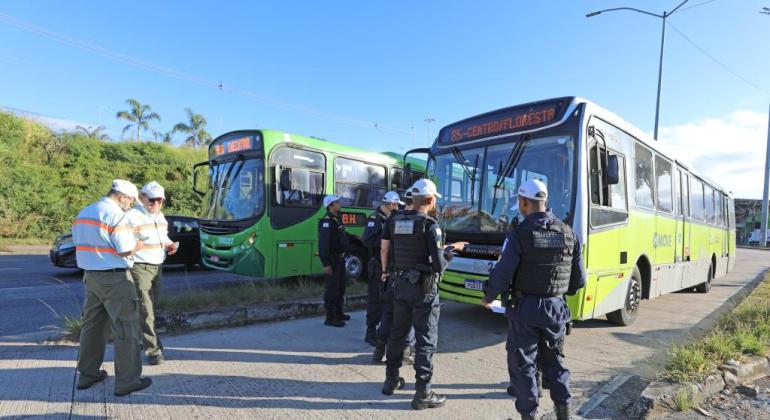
592,14
677,8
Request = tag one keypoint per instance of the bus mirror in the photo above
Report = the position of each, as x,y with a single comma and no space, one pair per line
612,173
278,185
196,186
406,180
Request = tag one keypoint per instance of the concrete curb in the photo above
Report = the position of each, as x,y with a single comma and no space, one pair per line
244,315
658,400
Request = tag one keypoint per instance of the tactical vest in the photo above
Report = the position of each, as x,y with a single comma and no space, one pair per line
407,235
546,258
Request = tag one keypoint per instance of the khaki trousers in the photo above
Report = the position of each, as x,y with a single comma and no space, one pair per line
110,297
147,278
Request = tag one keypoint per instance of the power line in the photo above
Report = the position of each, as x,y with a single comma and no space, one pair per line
697,5
192,78
721,64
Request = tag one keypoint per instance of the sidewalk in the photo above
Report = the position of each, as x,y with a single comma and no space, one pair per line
301,369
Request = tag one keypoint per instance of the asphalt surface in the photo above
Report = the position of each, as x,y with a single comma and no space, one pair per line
301,369
34,294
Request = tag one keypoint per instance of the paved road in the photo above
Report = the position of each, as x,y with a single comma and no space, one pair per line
33,293
300,369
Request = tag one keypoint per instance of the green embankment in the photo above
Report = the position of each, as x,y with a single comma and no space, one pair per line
46,178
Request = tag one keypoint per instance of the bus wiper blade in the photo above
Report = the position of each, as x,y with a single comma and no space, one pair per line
458,155
473,179
511,162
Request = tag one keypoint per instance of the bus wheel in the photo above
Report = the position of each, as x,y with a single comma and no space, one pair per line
355,263
630,310
706,285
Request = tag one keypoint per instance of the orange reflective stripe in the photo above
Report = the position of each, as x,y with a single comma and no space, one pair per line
101,225
96,249
151,247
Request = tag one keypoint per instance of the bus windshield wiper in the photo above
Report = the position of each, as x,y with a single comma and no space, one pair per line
458,155
473,179
510,163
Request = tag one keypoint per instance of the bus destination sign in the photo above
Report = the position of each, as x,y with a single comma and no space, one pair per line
235,145
501,122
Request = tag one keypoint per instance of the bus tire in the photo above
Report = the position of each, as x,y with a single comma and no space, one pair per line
705,287
355,263
630,310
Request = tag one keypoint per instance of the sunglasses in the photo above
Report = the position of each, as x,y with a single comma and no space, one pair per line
155,200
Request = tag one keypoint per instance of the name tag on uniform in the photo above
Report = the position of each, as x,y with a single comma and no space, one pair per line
370,224
404,227
325,224
548,240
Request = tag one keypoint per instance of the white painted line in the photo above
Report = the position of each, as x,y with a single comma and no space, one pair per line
9,269
603,393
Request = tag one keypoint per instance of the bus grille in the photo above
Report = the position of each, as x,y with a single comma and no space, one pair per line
486,252
218,230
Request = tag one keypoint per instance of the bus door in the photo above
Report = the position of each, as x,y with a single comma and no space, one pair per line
683,227
666,229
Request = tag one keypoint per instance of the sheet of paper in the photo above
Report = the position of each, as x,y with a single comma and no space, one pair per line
497,307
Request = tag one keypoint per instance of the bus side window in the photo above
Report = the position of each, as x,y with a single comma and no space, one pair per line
610,195
644,177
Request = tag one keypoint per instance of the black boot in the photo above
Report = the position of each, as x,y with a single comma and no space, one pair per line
392,383
423,400
407,356
526,417
342,316
371,335
332,320
562,412
378,354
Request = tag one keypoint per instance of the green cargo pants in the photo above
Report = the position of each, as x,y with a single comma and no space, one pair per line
147,278
110,296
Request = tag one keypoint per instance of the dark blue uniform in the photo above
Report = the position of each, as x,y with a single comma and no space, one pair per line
418,259
332,243
379,306
541,261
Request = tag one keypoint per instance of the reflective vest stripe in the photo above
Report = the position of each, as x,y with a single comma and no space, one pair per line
96,249
101,225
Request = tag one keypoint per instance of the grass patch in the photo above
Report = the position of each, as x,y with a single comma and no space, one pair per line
6,243
743,332
684,399
250,293
72,327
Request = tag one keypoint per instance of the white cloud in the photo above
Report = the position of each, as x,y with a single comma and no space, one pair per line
729,150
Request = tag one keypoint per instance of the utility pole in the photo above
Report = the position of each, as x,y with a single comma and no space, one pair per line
763,233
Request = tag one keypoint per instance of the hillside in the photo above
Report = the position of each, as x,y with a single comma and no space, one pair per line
46,178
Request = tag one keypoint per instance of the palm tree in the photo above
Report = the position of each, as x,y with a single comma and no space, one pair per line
95,132
195,128
139,116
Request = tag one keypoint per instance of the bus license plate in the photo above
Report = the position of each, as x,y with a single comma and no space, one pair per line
474,284
214,258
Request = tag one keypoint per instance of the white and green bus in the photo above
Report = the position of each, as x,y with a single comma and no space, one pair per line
261,200
650,224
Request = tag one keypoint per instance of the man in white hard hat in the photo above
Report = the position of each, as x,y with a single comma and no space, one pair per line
104,249
541,261
419,258
150,226
333,241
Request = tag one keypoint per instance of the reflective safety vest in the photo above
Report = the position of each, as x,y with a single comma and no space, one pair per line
152,229
101,232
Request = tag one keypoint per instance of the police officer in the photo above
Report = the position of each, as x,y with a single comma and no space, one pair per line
371,239
104,247
540,263
151,227
419,258
332,243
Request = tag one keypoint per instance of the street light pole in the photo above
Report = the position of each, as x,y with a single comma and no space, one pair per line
663,17
763,233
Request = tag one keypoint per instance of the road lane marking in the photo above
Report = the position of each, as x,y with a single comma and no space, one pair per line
10,269
603,393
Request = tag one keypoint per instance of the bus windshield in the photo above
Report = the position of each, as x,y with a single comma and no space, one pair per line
237,190
479,186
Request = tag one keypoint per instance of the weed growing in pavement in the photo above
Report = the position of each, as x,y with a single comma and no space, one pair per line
684,399
745,331
259,291
72,327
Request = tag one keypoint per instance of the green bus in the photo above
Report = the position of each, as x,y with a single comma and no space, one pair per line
262,194
650,224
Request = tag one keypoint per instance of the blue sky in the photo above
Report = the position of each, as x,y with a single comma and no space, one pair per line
333,69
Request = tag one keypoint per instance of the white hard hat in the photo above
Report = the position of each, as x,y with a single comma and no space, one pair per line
329,199
392,197
125,187
534,189
424,187
153,190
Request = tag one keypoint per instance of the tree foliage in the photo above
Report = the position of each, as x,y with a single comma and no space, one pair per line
139,116
42,192
195,128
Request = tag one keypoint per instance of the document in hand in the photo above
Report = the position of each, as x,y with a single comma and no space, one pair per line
497,307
